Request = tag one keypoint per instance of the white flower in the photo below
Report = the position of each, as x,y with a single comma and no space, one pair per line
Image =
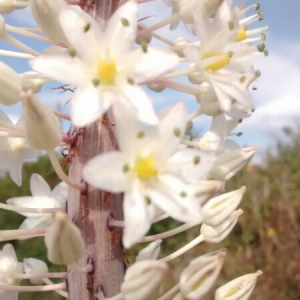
42,197
13,150
149,168
9,268
35,266
220,60
104,66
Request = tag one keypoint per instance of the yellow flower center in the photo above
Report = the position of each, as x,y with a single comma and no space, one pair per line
218,64
107,72
145,168
242,35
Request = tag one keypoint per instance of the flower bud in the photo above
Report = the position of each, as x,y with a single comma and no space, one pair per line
218,209
195,78
181,42
239,288
46,14
31,83
35,266
64,241
219,233
10,85
205,189
230,162
155,87
144,38
8,6
143,279
42,129
197,279
150,252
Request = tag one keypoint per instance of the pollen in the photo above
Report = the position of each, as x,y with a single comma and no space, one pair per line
223,62
107,72
241,36
145,168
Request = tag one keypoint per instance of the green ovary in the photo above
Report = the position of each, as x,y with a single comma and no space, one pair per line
145,168
107,72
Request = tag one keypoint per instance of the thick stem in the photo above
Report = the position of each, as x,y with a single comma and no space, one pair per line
91,212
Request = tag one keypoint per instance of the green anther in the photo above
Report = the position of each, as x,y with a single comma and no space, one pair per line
230,54
148,199
243,79
257,73
183,194
261,47
130,80
144,46
253,110
196,160
125,22
260,15
254,88
231,25
257,6
266,52
96,82
126,168
240,121
86,27
239,134
263,37
72,52
246,27
177,132
141,135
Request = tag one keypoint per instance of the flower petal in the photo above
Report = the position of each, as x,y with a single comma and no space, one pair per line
86,106
15,169
153,63
106,172
141,102
60,193
176,199
121,28
83,33
39,187
43,221
136,216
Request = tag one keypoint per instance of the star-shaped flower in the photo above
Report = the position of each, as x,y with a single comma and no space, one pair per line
149,168
104,66
42,197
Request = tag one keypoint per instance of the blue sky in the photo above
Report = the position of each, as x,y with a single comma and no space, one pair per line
277,99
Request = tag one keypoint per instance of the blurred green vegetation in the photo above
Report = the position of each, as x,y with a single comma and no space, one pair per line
267,236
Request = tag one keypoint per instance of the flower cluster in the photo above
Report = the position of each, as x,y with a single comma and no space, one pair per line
159,166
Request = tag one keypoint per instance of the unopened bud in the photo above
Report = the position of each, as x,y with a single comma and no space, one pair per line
155,87
239,288
31,83
197,279
143,279
195,78
219,233
150,252
8,6
64,241
218,209
42,129
144,38
205,189
35,266
46,14
10,85
181,42
230,162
